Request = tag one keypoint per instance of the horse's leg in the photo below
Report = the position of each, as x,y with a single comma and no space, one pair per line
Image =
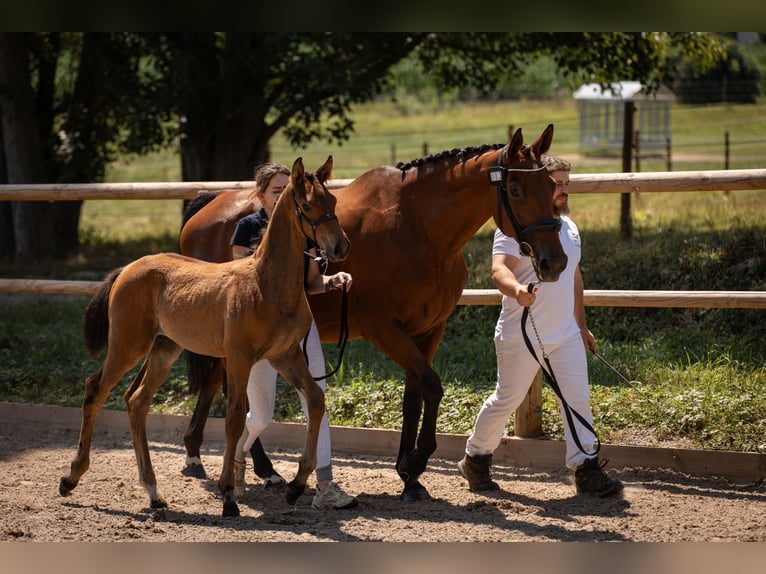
238,370
422,394
261,462
97,389
208,387
295,371
138,399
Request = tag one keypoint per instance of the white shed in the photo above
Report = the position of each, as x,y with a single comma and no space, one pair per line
602,115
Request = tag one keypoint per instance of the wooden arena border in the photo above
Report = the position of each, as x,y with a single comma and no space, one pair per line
547,455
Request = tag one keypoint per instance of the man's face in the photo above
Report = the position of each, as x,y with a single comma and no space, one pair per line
561,194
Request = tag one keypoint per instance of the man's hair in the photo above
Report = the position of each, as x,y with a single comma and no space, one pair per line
264,172
554,163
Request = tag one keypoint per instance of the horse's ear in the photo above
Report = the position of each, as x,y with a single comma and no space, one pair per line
543,143
517,141
325,172
297,175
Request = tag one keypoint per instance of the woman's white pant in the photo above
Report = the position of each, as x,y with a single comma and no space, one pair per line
516,369
261,395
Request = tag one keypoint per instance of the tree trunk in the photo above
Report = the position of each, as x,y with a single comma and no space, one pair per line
32,220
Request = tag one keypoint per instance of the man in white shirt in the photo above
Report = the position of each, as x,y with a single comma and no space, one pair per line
558,311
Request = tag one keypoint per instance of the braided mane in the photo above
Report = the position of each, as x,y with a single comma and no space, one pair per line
461,153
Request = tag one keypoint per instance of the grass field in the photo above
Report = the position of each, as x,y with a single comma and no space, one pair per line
699,374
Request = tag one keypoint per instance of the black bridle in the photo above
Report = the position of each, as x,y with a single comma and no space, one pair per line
497,177
313,224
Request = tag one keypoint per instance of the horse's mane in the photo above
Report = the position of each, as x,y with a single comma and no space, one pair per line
461,153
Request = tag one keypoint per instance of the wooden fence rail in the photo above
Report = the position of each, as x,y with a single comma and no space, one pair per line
593,297
644,182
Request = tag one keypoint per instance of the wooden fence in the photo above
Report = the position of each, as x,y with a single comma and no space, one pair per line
528,419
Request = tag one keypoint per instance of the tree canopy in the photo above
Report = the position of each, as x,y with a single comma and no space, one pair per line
71,102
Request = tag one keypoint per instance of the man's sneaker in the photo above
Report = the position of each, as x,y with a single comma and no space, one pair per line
475,469
239,478
274,481
332,496
591,479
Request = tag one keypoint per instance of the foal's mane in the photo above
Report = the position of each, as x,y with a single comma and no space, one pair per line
461,153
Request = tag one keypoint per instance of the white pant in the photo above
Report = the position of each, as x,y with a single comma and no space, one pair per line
261,394
516,369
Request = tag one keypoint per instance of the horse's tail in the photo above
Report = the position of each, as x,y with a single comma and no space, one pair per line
199,370
95,321
198,202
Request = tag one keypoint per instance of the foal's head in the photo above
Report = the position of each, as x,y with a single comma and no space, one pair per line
315,206
525,200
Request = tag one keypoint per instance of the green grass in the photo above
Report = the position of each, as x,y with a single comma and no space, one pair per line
697,374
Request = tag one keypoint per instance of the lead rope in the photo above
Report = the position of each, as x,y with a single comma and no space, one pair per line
553,383
342,337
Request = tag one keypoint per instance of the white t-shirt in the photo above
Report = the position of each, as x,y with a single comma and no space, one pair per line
553,309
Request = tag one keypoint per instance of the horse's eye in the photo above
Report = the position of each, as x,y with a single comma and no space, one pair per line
306,206
514,189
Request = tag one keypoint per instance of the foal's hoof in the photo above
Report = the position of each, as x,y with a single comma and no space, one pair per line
194,471
230,508
414,492
294,492
66,486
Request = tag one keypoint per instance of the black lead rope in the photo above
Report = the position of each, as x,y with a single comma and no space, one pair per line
342,337
553,383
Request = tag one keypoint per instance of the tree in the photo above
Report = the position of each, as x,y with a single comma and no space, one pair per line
223,96
70,102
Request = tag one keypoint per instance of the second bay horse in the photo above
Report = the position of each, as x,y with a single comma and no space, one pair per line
241,311
408,225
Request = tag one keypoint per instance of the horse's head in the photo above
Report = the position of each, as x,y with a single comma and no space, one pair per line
525,203
315,206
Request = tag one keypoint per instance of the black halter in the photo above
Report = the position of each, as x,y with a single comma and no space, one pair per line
313,224
497,177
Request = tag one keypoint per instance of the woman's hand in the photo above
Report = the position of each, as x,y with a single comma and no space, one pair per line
337,281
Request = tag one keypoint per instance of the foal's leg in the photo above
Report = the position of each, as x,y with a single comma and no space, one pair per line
138,399
238,367
97,389
295,371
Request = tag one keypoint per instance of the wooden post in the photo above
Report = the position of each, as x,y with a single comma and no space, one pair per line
529,416
668,152
726,154
626,224
393,154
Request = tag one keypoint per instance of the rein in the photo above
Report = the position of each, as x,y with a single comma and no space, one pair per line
342,337
550,377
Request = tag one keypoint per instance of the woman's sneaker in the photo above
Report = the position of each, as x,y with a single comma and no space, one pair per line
591,479
333,497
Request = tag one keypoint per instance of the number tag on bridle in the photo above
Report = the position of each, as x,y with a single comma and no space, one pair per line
497,177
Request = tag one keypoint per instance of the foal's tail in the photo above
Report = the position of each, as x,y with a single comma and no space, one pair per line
95,321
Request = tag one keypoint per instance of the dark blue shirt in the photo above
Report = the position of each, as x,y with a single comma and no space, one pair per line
250,229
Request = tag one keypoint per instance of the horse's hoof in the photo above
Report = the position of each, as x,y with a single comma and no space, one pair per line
66,486
194,471
230,508
158,504
414,492
293,493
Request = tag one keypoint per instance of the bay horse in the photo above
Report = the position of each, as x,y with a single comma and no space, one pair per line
408,225
240,311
